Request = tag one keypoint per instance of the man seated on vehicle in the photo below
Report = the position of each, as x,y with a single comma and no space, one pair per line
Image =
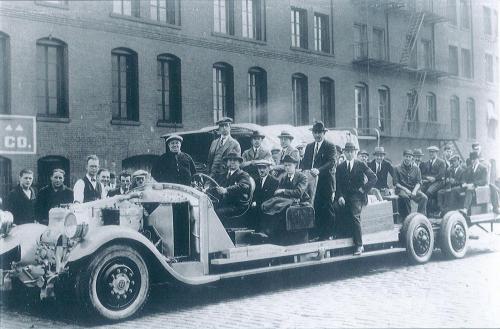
265,185
234,190
449,197
382,168
433,178
407,179
291,188
417,159
255,153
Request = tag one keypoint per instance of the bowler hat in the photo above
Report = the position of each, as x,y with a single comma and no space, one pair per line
433,149
408,152
275,150
418,152
233,156
289,159
349,146
379,150
473,155
174,137
285,134
263,162
318,127
257,134
224,120
365,152
454,157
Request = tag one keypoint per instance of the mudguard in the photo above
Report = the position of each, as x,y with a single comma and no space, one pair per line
26,236
107,234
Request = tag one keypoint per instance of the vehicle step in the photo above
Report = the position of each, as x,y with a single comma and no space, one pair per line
484,218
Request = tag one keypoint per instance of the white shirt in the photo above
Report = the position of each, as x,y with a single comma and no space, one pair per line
475,167
290,177
350,164
263,180
80,187
318,145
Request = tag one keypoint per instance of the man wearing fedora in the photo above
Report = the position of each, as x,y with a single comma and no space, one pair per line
174,166
433,177
353,181
286,146
221,147
319,158
363,156
254,154
234,189
265,186
382,168
417,159
449,197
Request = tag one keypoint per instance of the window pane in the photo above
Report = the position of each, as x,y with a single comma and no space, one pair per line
453,60
452,11
464,14
487,20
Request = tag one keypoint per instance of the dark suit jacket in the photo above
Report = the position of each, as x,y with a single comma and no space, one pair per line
458,176
296,189
385,169
22,208
48,198
324,162
263,193
478,177
216,154
349,183
114,192
238,188
437,170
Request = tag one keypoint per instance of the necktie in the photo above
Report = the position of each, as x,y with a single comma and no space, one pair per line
378,168
349,166
255,154
316,147
228,175
92,180
282,154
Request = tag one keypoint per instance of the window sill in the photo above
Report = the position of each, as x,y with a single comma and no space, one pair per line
119,122
42,118
312,52
167,124
144,21
233,37
52,5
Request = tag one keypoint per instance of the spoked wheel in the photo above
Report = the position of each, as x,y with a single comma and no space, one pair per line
454,235
419,239
115,285
207,185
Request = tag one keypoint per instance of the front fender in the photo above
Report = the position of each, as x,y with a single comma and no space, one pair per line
107,234
26,236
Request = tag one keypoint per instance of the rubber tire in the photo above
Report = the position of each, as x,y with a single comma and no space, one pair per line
447,224
413,223
86,283
404,228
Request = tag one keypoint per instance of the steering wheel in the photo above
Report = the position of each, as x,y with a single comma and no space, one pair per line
207,185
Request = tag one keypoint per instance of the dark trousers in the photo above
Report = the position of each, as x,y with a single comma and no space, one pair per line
324,216
225,212
431,190
450,199
404,203
349,219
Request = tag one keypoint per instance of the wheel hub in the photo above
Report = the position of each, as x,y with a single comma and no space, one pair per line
118,287
458,237
421,240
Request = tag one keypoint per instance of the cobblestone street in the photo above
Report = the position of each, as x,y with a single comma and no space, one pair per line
377,292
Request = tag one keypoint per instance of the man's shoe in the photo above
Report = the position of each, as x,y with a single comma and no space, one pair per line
359,251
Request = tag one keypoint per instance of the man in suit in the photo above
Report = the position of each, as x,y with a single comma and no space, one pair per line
382,168
417,159
408,180
254,154
125,182
351,191
433,177
448,197
235,189
221,147
363,156
476,175
53,195
21,200
265,186
174,166
319,158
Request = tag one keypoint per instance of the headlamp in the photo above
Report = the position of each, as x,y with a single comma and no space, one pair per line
6,222
72,229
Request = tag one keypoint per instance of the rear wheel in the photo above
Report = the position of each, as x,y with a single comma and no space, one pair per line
419,239
454,235
115,284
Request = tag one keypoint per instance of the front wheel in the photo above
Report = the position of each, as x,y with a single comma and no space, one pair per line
419,239
115,284
454,235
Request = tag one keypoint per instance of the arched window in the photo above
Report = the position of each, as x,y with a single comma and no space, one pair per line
412,117
52,78
169,89
300,100
431,107
47,164
257,95
222,91
491,119
471,118
327,101
361,105
384,110
125,97
4,73
455,116
5,176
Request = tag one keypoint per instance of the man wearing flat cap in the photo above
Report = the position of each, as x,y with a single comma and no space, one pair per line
433,178
408,180
221,147
255,153
235,189
351,192
319,159
174,166
382,168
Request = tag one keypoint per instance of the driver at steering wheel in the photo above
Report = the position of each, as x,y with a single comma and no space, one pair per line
234,190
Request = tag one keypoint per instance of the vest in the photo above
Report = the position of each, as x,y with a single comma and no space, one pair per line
89,193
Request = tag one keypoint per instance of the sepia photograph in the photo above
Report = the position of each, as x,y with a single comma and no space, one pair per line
249,164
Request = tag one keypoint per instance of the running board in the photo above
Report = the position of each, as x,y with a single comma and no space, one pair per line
334,259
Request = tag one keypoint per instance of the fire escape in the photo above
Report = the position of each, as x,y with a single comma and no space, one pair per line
419,13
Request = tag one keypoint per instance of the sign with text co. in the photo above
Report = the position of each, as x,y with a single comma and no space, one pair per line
17,134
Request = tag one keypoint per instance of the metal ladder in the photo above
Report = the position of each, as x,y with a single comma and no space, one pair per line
416,21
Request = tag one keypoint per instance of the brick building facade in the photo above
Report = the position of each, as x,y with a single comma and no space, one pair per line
111,77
